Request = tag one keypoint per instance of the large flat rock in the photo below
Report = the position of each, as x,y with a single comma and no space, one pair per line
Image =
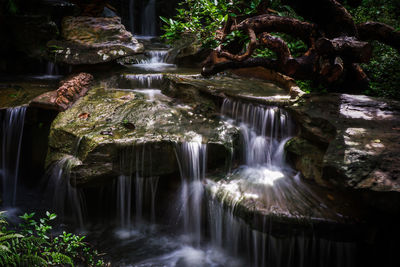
349,141
114,132
93,40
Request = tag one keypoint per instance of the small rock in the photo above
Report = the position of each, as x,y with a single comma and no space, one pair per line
106,133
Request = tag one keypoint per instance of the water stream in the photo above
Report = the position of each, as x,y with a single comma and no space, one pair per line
156,62
197,221
192,164
149,19
12,131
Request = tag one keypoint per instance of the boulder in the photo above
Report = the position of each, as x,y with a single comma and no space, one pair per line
93,40
114,132
350,142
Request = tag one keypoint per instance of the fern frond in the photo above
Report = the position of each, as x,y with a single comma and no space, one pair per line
4,237
3,248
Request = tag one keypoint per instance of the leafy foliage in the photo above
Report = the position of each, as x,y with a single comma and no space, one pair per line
204,17
31,244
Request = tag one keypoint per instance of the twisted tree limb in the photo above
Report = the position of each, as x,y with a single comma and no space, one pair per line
274,23
250,48
335,44
380,32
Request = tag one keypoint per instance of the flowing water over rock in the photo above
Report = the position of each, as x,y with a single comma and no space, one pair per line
68,201
264,180
134,190
192,164
149,19
12,131
156,62
142,81
265,185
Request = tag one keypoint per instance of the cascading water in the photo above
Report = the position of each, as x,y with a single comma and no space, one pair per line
12,132
134,186
149,19
264,130
263,180
292,248
156,61
139,81
192,163
51,69
67,200
147,84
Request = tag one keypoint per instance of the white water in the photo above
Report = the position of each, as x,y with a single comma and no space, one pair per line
192,164
265,130
134,189
157,61
68,201
149,19
52,69
295,248
144,80
12,132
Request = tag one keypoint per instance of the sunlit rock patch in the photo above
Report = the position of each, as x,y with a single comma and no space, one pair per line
355,142
110,120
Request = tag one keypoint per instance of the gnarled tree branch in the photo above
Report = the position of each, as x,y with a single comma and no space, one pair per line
380,32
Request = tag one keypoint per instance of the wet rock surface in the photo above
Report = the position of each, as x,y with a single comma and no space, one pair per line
93,40
108,125
349,141
247,89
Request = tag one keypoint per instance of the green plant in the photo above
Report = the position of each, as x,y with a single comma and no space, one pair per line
32,244
204,17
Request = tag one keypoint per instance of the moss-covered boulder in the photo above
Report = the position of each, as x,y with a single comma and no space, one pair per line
93,40
114,132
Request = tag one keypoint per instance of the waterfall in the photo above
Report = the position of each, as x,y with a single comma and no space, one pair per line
265,130
149,19
67,199
156,61
51,69
295,248
155,57
134,189
192,163
143,81
131,15
12,132
263,180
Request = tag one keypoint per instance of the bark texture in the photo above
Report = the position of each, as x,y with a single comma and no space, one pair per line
336,45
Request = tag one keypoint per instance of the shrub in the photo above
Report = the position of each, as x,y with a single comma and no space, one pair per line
31,244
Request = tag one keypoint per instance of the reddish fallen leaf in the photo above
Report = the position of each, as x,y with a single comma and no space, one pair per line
84,116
